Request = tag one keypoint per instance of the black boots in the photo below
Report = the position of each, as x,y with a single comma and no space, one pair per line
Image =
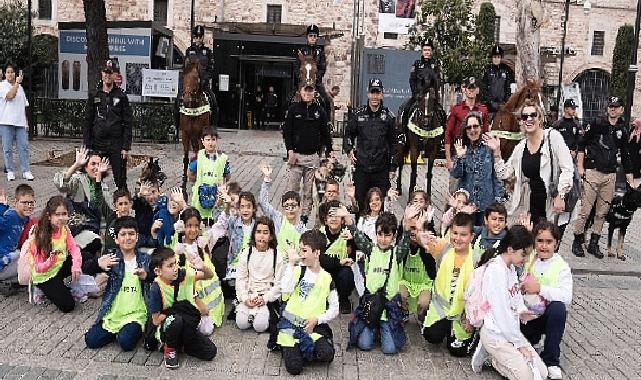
593,247
577,245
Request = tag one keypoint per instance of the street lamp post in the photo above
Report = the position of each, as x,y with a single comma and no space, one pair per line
565,31
191,28
32,122
632,70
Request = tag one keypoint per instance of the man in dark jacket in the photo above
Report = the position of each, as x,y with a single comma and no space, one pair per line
425,73
108,127
306,133
601,151
569,126
205,58
372,126
497,78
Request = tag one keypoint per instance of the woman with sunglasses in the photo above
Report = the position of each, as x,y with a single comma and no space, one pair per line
531,166
474,167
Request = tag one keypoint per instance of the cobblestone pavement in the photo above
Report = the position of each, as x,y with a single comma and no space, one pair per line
601,341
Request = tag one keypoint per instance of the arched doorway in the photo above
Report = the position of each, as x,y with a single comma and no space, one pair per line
595,86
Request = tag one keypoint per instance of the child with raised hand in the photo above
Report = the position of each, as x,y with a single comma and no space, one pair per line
340,253
258,278
123,312
500,337
54,255
143,206
287,223
122,206
333,193
209,299
171,305
12,223
312,301
166,214
446,318
492,232
547,286
457,203
383,272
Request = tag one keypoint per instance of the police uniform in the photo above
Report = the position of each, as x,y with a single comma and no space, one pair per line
495,87
205,58
375,135
604,146
570,128
108,126
321,63
424,73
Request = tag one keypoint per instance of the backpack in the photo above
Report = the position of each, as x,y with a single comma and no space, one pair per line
373,304
476,306
207,196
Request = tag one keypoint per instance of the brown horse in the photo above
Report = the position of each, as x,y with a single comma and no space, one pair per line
423,131
505,125
308,73
195,114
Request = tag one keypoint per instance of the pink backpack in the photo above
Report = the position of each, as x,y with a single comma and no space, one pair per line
476,306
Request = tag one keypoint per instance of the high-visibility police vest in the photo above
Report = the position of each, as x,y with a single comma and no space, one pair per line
299,310
58,245
287,238
441,306
551,276
338,248
209,172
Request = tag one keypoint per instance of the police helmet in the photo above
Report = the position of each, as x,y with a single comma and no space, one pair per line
313,29
199,31
427,42
496,50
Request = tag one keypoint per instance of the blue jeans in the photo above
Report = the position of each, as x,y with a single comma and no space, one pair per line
552,324
127,337
366,339
19,134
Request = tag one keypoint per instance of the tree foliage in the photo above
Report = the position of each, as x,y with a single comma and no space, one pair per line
13,33
486,23
621,58
451,24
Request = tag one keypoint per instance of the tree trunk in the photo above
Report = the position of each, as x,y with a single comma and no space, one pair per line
529,18
97,47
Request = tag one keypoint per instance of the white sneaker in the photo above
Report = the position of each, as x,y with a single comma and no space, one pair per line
479,358
28,176
11,176
554,372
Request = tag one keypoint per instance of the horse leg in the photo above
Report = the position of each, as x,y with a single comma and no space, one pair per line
399,180
431,157
413,165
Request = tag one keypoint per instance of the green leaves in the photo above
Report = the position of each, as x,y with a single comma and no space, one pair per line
621,58
13,33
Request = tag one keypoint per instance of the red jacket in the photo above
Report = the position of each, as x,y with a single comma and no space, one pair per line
457,115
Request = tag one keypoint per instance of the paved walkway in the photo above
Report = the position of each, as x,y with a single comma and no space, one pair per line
601,341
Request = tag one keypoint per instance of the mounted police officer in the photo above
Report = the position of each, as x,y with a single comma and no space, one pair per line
312,49
424,73
206,65
373,128
497,78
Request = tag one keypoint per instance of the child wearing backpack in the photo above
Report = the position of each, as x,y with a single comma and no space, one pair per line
311,302
500,335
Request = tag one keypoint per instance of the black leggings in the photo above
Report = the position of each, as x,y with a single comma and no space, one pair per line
182,335
323,351
441,330
56,291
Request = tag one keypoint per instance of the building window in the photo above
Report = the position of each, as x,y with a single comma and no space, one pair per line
44,9
160,11
390,36
274,13
497,29
375,64
598,41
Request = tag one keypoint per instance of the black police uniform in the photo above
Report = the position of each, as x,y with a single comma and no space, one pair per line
602,142
205,58
108,128
425,73
495,87
375,135
306,129
570,129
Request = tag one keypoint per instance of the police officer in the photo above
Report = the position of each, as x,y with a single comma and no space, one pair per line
108,126
310,49
424,73
569,126
601,151
497,78
206,64
306,134
373,128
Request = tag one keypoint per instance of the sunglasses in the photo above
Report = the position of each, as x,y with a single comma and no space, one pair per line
472,126
525,116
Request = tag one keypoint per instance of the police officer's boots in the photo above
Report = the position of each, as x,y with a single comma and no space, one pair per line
577,245
593,247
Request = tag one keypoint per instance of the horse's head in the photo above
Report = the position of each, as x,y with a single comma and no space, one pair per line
308,68
426,108
191,79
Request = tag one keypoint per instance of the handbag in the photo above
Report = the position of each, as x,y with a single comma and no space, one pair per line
572,196
373,304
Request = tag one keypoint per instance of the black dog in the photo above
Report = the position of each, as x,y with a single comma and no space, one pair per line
619,217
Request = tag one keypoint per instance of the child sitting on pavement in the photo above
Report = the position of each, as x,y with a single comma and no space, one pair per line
122,206
123,312
491,233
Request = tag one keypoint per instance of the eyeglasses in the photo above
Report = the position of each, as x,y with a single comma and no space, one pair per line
290,206
28,203
525,116
472,126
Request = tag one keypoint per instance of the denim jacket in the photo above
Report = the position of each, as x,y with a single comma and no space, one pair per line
116,275
475,172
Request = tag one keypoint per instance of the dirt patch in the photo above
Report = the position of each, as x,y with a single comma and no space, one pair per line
59,159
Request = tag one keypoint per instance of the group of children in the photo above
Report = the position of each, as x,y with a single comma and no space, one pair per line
287,280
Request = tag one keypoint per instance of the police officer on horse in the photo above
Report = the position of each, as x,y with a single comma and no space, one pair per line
205,58
312,49
425,73
497,78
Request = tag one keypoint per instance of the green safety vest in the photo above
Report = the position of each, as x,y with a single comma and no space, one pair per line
128,306
551,276
338,248
377,264
208,172
210,292
59,245
185,291
287,238
415,277
299,310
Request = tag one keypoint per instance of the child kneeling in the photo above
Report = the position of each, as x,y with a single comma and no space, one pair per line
312,301
171,305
